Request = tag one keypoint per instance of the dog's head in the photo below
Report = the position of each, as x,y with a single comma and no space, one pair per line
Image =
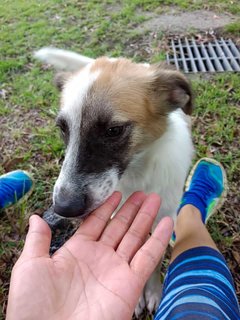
111,109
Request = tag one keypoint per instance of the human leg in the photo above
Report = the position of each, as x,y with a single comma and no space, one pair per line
190,231
198,284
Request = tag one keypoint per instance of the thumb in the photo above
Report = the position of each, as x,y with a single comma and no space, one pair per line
38,239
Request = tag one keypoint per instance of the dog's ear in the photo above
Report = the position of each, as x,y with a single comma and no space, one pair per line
171,90
60,79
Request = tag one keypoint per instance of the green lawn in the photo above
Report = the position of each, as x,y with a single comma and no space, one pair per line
29,101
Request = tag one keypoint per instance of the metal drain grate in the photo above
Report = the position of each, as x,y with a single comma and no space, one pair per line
218,55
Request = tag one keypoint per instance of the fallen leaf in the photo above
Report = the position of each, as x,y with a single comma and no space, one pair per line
11,164
236,256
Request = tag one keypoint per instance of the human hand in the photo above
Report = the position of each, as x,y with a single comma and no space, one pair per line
99,273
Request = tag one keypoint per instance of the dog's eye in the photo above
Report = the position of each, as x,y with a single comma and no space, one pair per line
114,131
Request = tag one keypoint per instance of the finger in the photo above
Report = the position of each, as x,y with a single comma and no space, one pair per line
94,225
119,225
38,238
148,256
140,228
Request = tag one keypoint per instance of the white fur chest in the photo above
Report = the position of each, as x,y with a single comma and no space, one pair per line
163,166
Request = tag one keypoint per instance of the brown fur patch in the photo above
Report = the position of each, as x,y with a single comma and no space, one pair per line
126,85
144,95
173,89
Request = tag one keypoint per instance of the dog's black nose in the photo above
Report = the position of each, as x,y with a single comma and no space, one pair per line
70,208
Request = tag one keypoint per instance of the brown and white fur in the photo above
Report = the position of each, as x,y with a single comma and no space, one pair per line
125,128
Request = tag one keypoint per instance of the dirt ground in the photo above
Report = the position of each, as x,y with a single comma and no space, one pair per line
179,22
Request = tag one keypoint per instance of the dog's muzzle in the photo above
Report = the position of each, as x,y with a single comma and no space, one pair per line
68,207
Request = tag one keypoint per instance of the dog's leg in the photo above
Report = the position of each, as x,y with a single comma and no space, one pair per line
153,290
151,295
140,306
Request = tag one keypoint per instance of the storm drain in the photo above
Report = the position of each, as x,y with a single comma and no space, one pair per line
218,55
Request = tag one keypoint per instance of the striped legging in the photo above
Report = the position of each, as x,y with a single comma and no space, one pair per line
198,286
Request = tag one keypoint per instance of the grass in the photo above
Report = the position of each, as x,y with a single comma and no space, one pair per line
29,101
219,5
216,131
233,28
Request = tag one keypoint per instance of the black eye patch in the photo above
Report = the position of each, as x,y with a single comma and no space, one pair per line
63,125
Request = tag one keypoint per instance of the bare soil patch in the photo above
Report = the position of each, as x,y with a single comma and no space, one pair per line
178,21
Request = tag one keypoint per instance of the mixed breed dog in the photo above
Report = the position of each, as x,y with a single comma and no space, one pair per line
126,127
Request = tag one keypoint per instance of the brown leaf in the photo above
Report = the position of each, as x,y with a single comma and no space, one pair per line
10,164
236,256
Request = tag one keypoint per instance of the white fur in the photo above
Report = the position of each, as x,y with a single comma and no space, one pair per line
101,188
62,59
163,166
76,89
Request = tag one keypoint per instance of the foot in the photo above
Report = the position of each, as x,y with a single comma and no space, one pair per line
13,186
205,189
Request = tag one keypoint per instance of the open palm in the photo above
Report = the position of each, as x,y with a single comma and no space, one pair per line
99,273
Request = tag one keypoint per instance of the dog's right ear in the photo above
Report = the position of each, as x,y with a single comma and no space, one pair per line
172,90
62,59
60,79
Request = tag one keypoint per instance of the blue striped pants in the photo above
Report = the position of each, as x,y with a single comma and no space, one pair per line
198,286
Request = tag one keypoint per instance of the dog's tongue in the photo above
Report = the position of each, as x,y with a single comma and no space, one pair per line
62,229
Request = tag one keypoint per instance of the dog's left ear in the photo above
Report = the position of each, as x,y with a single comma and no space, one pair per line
60,79
171,90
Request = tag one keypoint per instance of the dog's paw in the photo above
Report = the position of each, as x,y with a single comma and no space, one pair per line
149,299
152,299
153,293
140,306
